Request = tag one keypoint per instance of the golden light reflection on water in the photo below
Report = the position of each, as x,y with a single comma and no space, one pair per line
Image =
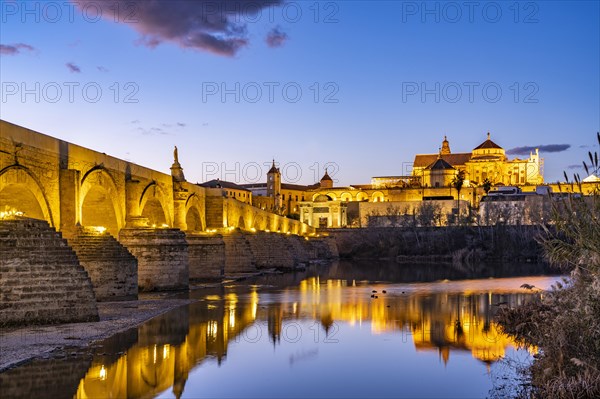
434,317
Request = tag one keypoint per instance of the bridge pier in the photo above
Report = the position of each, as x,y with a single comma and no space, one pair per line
206,256
112,269
42,280
238,254
162,256
271,251
68,181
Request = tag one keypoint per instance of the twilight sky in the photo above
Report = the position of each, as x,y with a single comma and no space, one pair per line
359,86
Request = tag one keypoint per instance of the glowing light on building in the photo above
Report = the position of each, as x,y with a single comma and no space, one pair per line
212,328
166,350
98,229
12,213
102,373
232,317
254,302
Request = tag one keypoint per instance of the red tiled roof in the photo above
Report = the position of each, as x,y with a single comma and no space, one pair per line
458,159
487,144
298,187
440,164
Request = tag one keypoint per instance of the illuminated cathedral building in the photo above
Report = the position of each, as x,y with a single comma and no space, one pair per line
487,161
324,204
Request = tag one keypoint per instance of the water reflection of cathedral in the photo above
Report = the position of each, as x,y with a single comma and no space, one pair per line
168,347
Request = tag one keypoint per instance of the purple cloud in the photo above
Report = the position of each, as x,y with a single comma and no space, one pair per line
14,49
276,38
102,69
216,26
165,129
151,131
543,148
73,68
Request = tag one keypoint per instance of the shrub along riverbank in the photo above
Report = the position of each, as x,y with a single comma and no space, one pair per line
564,324
466,245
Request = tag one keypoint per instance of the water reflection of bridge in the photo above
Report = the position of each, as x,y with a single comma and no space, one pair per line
167,348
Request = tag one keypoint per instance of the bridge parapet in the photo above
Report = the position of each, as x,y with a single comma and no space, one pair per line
224,213
68,186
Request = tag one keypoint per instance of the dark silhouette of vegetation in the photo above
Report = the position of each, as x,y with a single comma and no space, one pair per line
457,182
487,185
467,245
564,323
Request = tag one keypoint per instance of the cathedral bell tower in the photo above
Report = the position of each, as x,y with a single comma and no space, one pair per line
274,184
445,147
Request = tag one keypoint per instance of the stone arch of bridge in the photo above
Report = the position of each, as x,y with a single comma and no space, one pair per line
21,191
153,205
259,222
194,215
99,201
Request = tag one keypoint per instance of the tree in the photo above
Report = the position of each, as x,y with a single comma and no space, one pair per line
457,183
428,214
487,185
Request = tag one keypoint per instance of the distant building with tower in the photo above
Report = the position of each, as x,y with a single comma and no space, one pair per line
324,204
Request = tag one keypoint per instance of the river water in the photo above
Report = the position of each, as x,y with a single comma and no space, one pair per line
330,331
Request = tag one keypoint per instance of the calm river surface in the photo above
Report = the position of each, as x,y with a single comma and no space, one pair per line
319,333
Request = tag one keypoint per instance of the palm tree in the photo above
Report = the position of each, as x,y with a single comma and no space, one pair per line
457,183
487,185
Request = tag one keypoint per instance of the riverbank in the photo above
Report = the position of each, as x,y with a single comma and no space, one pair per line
450,244
22,344
19,345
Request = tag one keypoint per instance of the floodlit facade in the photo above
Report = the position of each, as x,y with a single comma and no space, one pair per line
487,161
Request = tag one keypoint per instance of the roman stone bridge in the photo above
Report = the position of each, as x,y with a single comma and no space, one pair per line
68,186
132,227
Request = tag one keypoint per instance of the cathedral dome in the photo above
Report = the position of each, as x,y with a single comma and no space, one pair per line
488,151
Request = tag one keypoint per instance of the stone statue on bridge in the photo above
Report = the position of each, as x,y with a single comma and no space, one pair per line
176,169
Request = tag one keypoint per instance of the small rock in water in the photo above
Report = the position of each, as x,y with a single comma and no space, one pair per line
384,291
373,291
372,295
